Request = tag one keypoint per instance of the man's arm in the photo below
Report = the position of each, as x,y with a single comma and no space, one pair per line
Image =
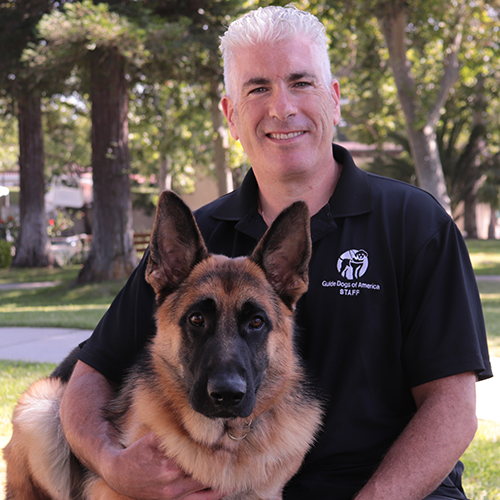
432,443
140,471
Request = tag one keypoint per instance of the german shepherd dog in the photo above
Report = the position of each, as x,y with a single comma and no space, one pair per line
220,384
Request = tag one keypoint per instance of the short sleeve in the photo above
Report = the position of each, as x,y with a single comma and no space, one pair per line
124,329
443,326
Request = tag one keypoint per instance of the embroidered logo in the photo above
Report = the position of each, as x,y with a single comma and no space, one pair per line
353,264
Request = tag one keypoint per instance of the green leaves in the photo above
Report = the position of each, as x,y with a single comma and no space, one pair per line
82,27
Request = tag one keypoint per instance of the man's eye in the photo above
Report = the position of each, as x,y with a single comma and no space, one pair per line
197,319
258,90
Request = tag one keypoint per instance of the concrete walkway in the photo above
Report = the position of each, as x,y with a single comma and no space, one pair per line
28,286
52,345
42,345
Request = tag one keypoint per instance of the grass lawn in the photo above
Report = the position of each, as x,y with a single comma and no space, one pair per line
490,299
82,307
64,305
485,256
482,463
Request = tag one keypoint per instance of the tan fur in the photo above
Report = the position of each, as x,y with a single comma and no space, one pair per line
284,419
38,448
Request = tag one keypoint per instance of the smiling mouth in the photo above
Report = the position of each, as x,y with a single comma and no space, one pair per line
283,137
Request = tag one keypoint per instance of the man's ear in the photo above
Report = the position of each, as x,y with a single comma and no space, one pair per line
228,110
335,93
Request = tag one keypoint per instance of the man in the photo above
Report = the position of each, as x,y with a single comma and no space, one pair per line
392,330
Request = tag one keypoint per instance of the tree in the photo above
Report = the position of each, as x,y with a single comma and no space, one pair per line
105,44
467,130
18,20
461,140
402,61
422,117
112,254
170,126
489,193
478,96
9,153
66,124
33,226
208,22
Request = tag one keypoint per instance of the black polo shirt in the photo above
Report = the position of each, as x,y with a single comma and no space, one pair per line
392,303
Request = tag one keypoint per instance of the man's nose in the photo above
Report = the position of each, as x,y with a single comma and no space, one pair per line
282,105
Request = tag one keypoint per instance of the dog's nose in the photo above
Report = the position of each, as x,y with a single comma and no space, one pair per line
227,390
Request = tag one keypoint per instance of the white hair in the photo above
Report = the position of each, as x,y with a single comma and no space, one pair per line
270,25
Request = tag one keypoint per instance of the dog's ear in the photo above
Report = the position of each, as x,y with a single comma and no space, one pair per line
176,244
284,253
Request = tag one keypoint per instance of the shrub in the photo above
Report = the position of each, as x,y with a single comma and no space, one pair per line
9,228
5,254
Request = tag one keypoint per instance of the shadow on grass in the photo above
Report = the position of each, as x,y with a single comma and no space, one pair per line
485,256
64,305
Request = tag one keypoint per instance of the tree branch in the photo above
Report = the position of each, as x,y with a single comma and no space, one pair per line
450,77
451,67
393,24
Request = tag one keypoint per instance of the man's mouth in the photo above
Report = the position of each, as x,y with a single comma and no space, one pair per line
282,137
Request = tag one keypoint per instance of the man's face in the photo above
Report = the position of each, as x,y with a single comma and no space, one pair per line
281,110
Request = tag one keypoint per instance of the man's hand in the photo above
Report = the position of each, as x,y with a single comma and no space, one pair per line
140,471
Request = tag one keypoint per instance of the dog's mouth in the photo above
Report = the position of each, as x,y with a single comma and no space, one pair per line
243,410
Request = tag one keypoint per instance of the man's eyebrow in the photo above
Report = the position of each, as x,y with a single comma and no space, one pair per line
293,77
256,81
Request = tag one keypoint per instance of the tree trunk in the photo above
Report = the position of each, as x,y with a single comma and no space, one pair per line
164,175
425,154
112,254
33,245
493,223
470,223
471,159
222,170
420,122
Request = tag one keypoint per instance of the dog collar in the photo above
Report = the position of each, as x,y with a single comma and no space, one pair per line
245,431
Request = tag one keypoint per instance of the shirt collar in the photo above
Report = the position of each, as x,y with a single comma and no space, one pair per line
352,196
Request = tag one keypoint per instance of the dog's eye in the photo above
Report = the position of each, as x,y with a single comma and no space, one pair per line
256,323
197,319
